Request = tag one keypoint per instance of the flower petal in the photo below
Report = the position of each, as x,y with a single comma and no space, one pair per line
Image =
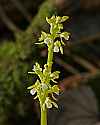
32,91
56,49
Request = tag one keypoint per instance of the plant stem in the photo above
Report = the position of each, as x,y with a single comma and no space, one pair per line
49,63
50,56
44,116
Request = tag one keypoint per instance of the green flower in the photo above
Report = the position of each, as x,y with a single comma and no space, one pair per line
65,35
49,103
54,89
48,40
54,75
42,88
58,47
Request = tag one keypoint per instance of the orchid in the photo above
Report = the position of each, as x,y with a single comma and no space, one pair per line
42,89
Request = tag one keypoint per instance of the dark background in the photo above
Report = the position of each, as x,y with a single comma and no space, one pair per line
21,22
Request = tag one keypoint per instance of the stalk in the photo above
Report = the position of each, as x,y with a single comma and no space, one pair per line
44,116
50,56
49,63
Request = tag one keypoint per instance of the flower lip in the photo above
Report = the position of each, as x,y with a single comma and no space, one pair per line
48,103
56,49
33,91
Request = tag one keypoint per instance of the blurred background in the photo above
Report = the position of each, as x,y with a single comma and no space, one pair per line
21,22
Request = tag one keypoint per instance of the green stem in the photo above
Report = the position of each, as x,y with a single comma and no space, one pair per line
43,116
50,56
49,63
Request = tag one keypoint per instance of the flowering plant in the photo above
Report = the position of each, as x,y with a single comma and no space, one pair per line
42,87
